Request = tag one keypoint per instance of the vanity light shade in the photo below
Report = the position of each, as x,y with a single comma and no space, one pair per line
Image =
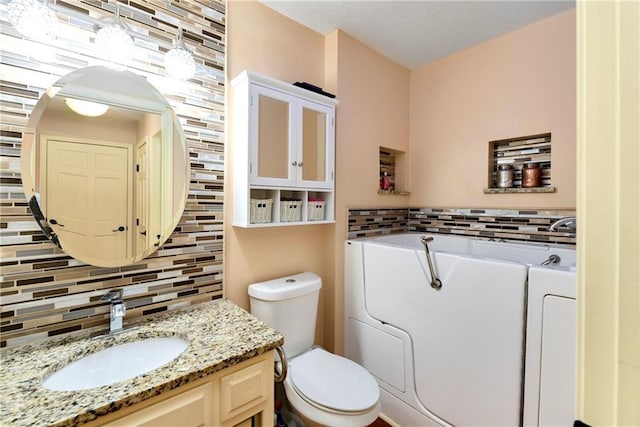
33,19
86,108
114,43
178,61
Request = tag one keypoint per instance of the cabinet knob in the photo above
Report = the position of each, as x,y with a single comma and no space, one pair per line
300,164
294,163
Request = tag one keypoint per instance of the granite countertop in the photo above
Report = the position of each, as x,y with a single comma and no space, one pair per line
220,334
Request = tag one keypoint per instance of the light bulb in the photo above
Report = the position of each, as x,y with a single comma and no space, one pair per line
33,19
179,61
86,108
114,42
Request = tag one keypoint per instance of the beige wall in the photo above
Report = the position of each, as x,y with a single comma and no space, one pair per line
66,124
373,112
266,42
148,125
521,83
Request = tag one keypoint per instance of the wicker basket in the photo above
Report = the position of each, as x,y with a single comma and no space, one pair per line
260,211
290,210
315,210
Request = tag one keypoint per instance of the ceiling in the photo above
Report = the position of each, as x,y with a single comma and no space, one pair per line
414,33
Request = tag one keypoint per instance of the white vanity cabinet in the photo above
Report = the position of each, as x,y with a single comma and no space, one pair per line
283,153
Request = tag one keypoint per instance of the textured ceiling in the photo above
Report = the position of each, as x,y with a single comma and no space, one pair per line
414,33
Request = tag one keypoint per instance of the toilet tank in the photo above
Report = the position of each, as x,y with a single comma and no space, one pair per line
289,305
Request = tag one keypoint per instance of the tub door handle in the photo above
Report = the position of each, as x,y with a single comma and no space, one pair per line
435,282
280,376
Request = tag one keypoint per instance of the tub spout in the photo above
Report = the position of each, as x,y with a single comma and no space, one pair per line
569,222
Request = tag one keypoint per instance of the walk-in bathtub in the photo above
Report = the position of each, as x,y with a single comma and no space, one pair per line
456,355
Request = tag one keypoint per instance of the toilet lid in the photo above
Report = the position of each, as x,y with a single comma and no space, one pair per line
333,382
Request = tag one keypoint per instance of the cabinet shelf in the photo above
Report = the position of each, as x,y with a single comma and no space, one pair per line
283,143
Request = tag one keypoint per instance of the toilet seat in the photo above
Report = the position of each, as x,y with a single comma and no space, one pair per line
341,386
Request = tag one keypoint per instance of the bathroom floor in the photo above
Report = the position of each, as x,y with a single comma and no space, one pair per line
379,422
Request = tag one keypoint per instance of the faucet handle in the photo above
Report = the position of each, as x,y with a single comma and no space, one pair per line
118,310
113,295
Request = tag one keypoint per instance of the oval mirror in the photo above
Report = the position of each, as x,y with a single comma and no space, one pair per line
104,166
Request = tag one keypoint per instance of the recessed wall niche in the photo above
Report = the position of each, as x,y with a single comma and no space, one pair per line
520,165
392,179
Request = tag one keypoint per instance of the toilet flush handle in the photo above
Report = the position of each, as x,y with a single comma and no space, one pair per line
280,376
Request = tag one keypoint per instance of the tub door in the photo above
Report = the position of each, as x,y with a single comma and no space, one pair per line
467,336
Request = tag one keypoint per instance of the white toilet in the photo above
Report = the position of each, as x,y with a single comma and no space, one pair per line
322,387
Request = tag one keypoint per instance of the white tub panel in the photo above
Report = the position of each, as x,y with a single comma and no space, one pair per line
557,371
550,361
378,352
402,414
467,337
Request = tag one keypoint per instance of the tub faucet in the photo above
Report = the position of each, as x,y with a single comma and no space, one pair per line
118,309
553,259
569,222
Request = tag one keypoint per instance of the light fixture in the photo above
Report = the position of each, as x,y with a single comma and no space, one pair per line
33,19
114,42
178,61
86,108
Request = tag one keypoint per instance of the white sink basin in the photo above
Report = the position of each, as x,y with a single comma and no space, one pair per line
115,364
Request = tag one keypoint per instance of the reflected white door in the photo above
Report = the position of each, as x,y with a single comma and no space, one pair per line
87,197
142,196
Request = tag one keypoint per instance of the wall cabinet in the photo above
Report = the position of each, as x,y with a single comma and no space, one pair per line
283,153
236,396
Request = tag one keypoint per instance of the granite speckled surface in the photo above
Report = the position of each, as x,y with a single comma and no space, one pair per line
220,334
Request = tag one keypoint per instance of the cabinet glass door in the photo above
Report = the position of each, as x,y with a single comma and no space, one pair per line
271,155
273,134
316,158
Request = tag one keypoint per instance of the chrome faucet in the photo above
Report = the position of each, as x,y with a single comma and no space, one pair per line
118,309
569,222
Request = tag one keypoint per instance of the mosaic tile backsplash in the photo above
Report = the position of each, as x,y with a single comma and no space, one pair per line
44,292
505,224
372,222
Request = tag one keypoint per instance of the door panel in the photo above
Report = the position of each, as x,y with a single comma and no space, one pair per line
316,134
272,154
87,195
314,142
467,336
273,134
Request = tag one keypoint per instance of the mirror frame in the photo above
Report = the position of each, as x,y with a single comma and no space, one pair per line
153,102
